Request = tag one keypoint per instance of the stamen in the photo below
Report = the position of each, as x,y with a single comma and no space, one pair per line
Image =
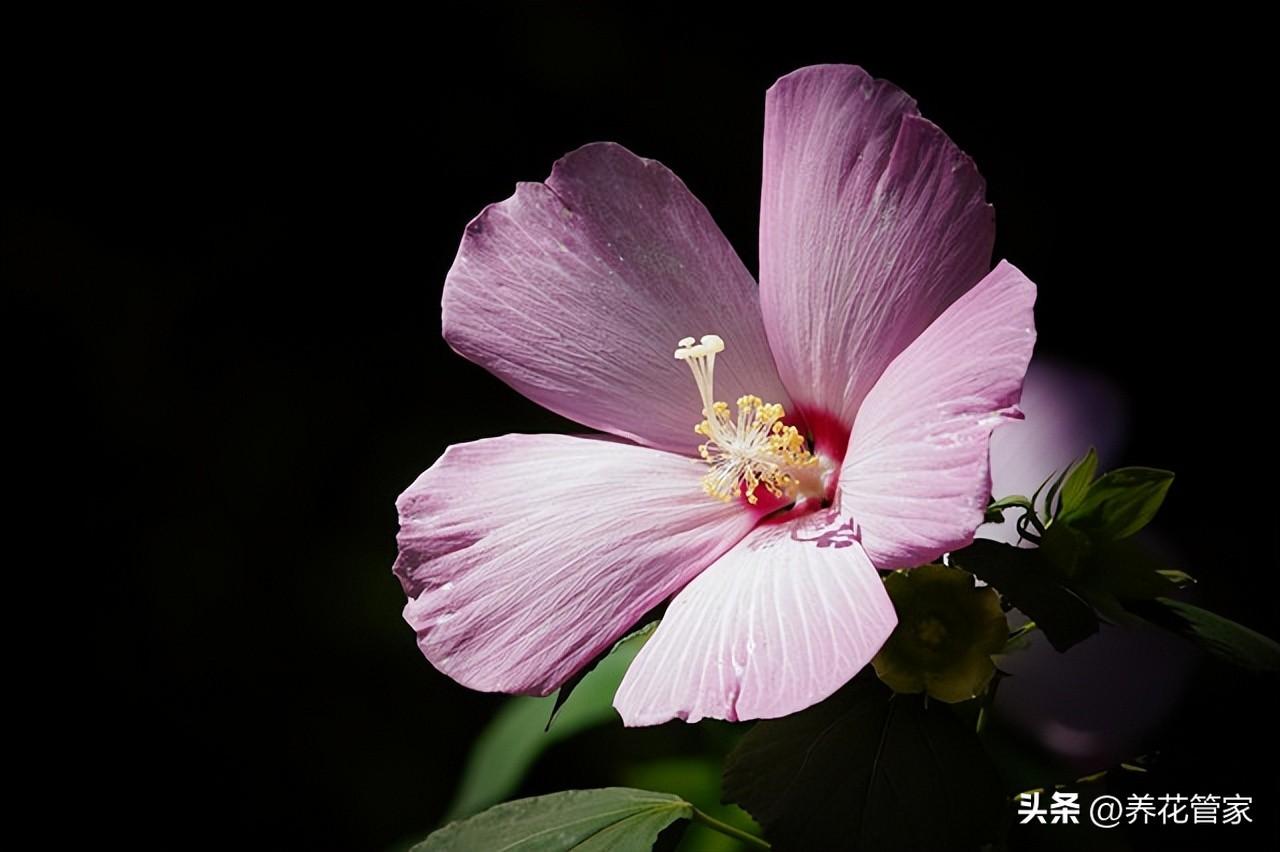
751,451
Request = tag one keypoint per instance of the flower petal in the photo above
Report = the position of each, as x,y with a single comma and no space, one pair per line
777,624
916,480
525,556
872,222
1068,410
576,291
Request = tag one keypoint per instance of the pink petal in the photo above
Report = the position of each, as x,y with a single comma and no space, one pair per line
525,556
778,623
1067,410
872,222
915,482
576,291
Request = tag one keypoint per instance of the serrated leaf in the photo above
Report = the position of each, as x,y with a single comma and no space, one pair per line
1030,582
867,770
618,819
1077,483
508,746
1120,502
1220,636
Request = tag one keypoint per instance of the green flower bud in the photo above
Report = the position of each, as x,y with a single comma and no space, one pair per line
948,628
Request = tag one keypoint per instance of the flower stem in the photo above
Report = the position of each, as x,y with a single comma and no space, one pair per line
729,831
1022,631
987,699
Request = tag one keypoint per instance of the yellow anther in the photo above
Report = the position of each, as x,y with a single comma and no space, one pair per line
748,452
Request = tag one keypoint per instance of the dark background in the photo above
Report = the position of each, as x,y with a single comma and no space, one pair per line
226,244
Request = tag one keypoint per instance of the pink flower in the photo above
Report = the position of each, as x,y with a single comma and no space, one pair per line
886,352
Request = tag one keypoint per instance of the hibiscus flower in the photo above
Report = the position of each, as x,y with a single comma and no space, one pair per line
866,371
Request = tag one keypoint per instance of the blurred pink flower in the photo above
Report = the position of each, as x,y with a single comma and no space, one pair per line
1092,705
885,347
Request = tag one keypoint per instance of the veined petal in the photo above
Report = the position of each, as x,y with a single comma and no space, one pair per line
1067,411
575,292
872,222
525,556
778,623
916,479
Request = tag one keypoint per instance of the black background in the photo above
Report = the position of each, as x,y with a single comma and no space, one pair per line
226,244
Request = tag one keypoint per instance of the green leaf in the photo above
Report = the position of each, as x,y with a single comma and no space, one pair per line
518,734
1053,493
1064,548
618,819
632,640
867,770
1029,581
1019,638
696,779
1220,636
1113,572
1179,578
1035,497
1120,503
1077,483
996,508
